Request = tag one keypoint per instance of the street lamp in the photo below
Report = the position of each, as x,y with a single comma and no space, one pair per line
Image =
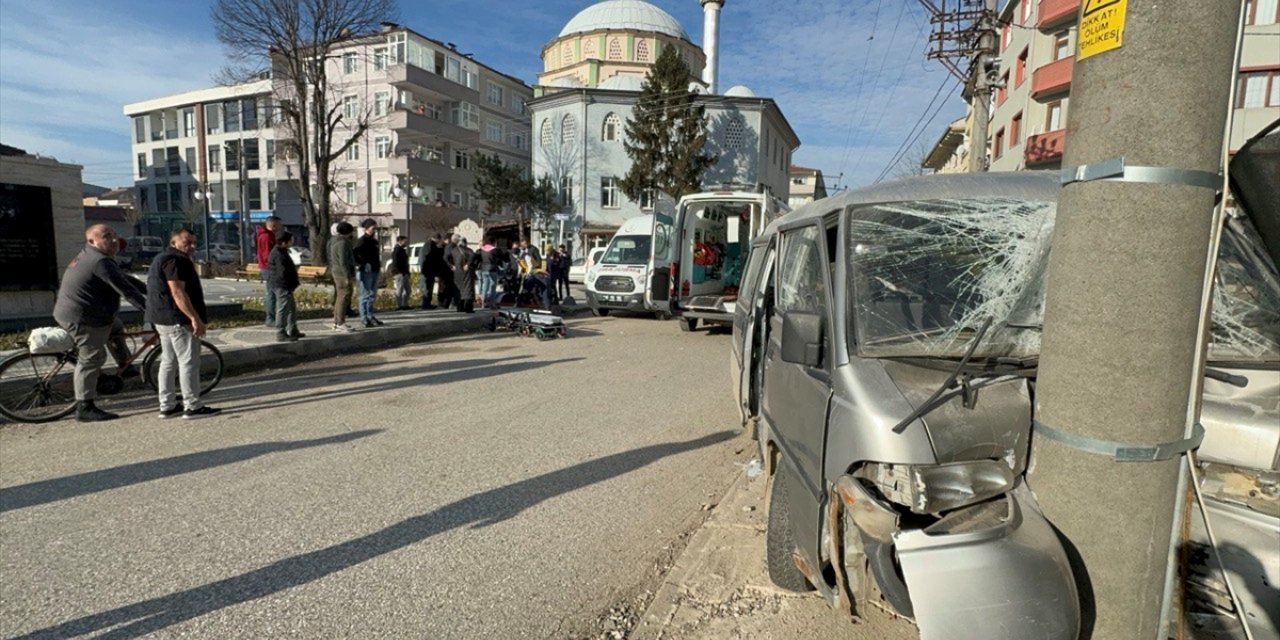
398,192
207,198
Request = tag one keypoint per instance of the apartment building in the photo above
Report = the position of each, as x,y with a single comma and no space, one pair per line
807,185
429,108
210,150
1037,43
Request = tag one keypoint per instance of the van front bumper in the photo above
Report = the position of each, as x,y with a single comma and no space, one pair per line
619,301
1002,575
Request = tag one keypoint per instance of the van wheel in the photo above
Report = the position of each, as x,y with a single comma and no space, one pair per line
663,315
600,313
779,541
688,324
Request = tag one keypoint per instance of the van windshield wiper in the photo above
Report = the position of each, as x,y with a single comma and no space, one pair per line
929,405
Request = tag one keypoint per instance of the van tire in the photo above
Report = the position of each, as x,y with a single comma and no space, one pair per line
663,315
780,543
688,324
599,313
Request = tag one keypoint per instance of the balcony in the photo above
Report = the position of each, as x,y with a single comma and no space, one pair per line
407,123
433,173
406,76
1052,78
1045,147
1056,13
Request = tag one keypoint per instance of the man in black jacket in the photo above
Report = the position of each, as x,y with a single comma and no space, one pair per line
284,281
368,256
175,305
400,271
86,307
429,266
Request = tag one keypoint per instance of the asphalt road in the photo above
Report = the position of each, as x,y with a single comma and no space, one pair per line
485,486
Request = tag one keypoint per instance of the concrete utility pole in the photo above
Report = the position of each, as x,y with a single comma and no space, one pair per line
982,85
1124,294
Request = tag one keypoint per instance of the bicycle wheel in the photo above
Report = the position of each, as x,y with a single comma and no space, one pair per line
210,367
38,387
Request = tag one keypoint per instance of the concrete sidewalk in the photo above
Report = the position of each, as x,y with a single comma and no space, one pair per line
719,587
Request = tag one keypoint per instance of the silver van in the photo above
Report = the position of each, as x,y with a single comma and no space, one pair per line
897,474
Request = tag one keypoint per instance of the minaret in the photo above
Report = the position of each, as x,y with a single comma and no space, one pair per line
711,42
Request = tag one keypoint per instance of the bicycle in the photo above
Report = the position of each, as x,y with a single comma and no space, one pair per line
40,387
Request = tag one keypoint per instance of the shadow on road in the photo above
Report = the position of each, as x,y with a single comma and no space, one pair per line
479,510
81,484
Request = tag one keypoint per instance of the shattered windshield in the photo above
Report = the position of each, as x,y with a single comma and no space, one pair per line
927,274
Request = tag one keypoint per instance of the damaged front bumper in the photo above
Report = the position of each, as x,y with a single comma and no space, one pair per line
990,571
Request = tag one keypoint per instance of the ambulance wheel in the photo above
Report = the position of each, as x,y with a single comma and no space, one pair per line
688,324
599,313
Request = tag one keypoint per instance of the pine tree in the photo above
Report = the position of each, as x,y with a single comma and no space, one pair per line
666,133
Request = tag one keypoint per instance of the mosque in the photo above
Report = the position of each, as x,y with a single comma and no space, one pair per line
591,78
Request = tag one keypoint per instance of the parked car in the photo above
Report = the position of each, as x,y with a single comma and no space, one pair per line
853,313
141,250
579,268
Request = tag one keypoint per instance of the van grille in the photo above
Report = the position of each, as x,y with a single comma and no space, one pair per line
615,284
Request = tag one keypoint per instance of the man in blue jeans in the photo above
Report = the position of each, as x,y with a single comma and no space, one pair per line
265,242
368,259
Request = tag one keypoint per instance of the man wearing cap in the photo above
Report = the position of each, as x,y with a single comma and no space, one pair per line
87,305
368,259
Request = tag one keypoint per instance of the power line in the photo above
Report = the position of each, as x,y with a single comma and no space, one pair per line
902,70
862,82
918,129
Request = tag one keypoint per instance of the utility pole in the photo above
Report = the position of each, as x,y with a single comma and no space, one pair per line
1130,249
965,30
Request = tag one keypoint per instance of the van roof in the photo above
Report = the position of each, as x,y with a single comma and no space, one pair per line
1032,185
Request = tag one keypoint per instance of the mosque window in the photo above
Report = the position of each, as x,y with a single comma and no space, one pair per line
735,133
615,48
568,130
612,127
546,133
589,49
642,51
566,54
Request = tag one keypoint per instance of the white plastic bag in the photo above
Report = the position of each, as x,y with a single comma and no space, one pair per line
50,340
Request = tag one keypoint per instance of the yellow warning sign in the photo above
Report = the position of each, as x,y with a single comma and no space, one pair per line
1101,27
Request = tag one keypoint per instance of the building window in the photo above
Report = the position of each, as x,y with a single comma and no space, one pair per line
139,129
249,114
384,191
251,154
612,127
517,104
254,195
173,161
642,51
212,119
271,154
735,133
495,94
566,54
188,123
353,151
566,192
189,154
493,132
1053,118
1002,92
997,145
545,134
352,193
351,107
461,159
1015,130
231,115
589,49
1261,12
648,198
142,165
1062,45
568,129
466,115
1020,69
381,103
349,64
615,48
382,147
215,157
1004,38
1258,89
233,155
379,58
519,141
609,192
271,195
1024,12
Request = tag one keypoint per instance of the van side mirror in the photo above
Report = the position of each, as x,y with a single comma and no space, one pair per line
802,338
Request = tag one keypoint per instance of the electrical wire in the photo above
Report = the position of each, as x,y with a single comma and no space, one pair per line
917,129
862,82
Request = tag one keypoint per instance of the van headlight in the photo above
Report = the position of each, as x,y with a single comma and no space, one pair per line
940,487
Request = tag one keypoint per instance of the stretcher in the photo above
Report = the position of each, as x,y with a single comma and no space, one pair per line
543,324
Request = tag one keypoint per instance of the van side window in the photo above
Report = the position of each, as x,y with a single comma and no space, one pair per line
802,287
749,281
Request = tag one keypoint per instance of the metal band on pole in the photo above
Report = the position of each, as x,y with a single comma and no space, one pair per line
1115,170
1123,451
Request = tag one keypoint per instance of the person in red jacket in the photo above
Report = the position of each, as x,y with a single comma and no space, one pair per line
266,241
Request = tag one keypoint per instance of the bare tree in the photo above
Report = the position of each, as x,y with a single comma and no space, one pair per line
912,163
295,40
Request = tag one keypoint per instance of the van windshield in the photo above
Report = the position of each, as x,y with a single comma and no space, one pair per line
927,274
627,250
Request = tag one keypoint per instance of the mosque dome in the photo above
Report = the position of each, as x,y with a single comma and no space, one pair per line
623,82
624,15
740,91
